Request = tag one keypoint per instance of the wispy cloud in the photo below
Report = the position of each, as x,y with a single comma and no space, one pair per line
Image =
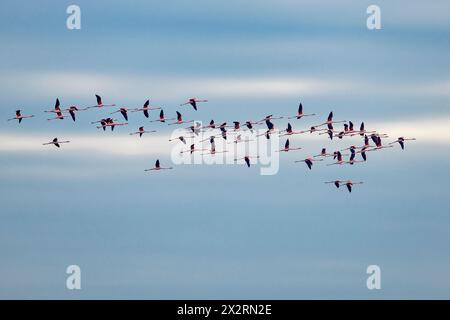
126,86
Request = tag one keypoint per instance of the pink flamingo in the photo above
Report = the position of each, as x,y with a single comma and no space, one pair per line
193,102
55,142
19,116
141,131
158,167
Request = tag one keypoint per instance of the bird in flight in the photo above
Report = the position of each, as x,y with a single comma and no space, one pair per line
348,183
287,148
180,120
19,116
309,161
193,102
55,142
146,108
300,113
401,141
141,131
158,167
56,109
100,103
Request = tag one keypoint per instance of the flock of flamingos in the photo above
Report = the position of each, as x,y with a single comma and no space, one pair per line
327,127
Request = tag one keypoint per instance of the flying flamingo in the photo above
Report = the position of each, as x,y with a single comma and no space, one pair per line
195,128
363,153
223,130
249,125
401,141
348,183
141,131
211,125
100,103
19,116
57,110
123,111
193,149
300,113
268,119
109,122
158,167
287,148
309,161
213,148
181,138
193,102
239,139
330,121
247,159
162,118
146,108
325,154
353,155
290,132
377,140
339,159
71,111
55,142
180,120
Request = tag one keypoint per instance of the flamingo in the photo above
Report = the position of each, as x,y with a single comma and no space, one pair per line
100,103
361,131
158,167
192,149
162,118
323,153
19,116
337,183
249,125
57,110
300,113
363,153
314,129
290,132
123,111
268,119
109,122
401,141
71,111
180,120
141,131
309,161
223,130
181,138
330,121
211,125
348,183
237,125
213,148
193,102
146,108
247,159
353,155
239,140
377,140
55,142
195,128
339,159
287,148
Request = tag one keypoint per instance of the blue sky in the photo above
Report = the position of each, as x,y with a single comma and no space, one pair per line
224,231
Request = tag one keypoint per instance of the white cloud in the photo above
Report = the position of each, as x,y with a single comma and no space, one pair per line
126,86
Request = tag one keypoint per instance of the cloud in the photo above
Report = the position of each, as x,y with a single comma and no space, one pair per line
129,86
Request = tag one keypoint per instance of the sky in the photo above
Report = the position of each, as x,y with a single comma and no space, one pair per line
224,231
